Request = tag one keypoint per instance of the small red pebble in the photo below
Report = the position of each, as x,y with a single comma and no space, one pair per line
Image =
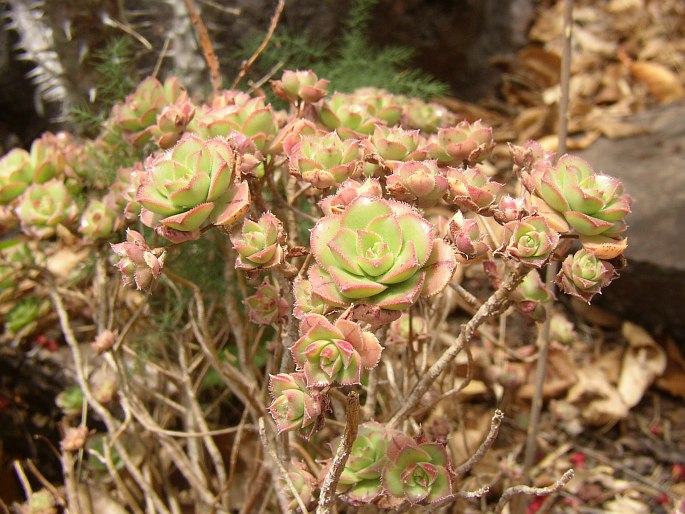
678,472
42,340
535,505
4,404
662,499
656,430
578,460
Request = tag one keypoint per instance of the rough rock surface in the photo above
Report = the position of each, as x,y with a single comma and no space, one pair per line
651,290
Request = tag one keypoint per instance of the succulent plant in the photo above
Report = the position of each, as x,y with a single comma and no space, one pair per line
294,406
43,207
428,117
380,103
468,241
172,122
99,220
23,317
47,159
530,296
592,204
15,174
347,192
397,144
192,185
379,252
471,189
417,472
290,135
40,502
530,240
360,481
136,116
329,353
252,117
300,85
137,262
123,191
408,328
260,243
350,119
325,160
420,182
583,275
13,254
466,142
70,400
304,482
266,306
305,301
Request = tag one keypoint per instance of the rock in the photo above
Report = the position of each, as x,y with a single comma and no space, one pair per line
455,40
651,290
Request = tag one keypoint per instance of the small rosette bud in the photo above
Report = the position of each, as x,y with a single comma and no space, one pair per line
530,240
347,192
334,353
99,220
74,438
138,114
509,209
583,275
325,160
468,241
304,482
43,207
406,329
138,264
379,252
471,189
266,306
465,143
260,243
300,85
417,472
530,296
427,117
305,301
294,406
104,341
419,182
172,122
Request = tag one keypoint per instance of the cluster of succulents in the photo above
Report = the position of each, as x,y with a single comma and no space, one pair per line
370,170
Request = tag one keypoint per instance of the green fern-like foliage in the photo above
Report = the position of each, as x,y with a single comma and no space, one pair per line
115,64
349,65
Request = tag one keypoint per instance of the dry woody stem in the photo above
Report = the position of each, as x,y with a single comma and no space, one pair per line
490,308
327,497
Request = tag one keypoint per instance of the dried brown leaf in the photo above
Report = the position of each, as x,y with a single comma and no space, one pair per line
672,379
643,361
662,83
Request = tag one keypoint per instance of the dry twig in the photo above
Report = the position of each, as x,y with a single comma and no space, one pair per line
330,482
535,491
206,45
490,308
272,28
